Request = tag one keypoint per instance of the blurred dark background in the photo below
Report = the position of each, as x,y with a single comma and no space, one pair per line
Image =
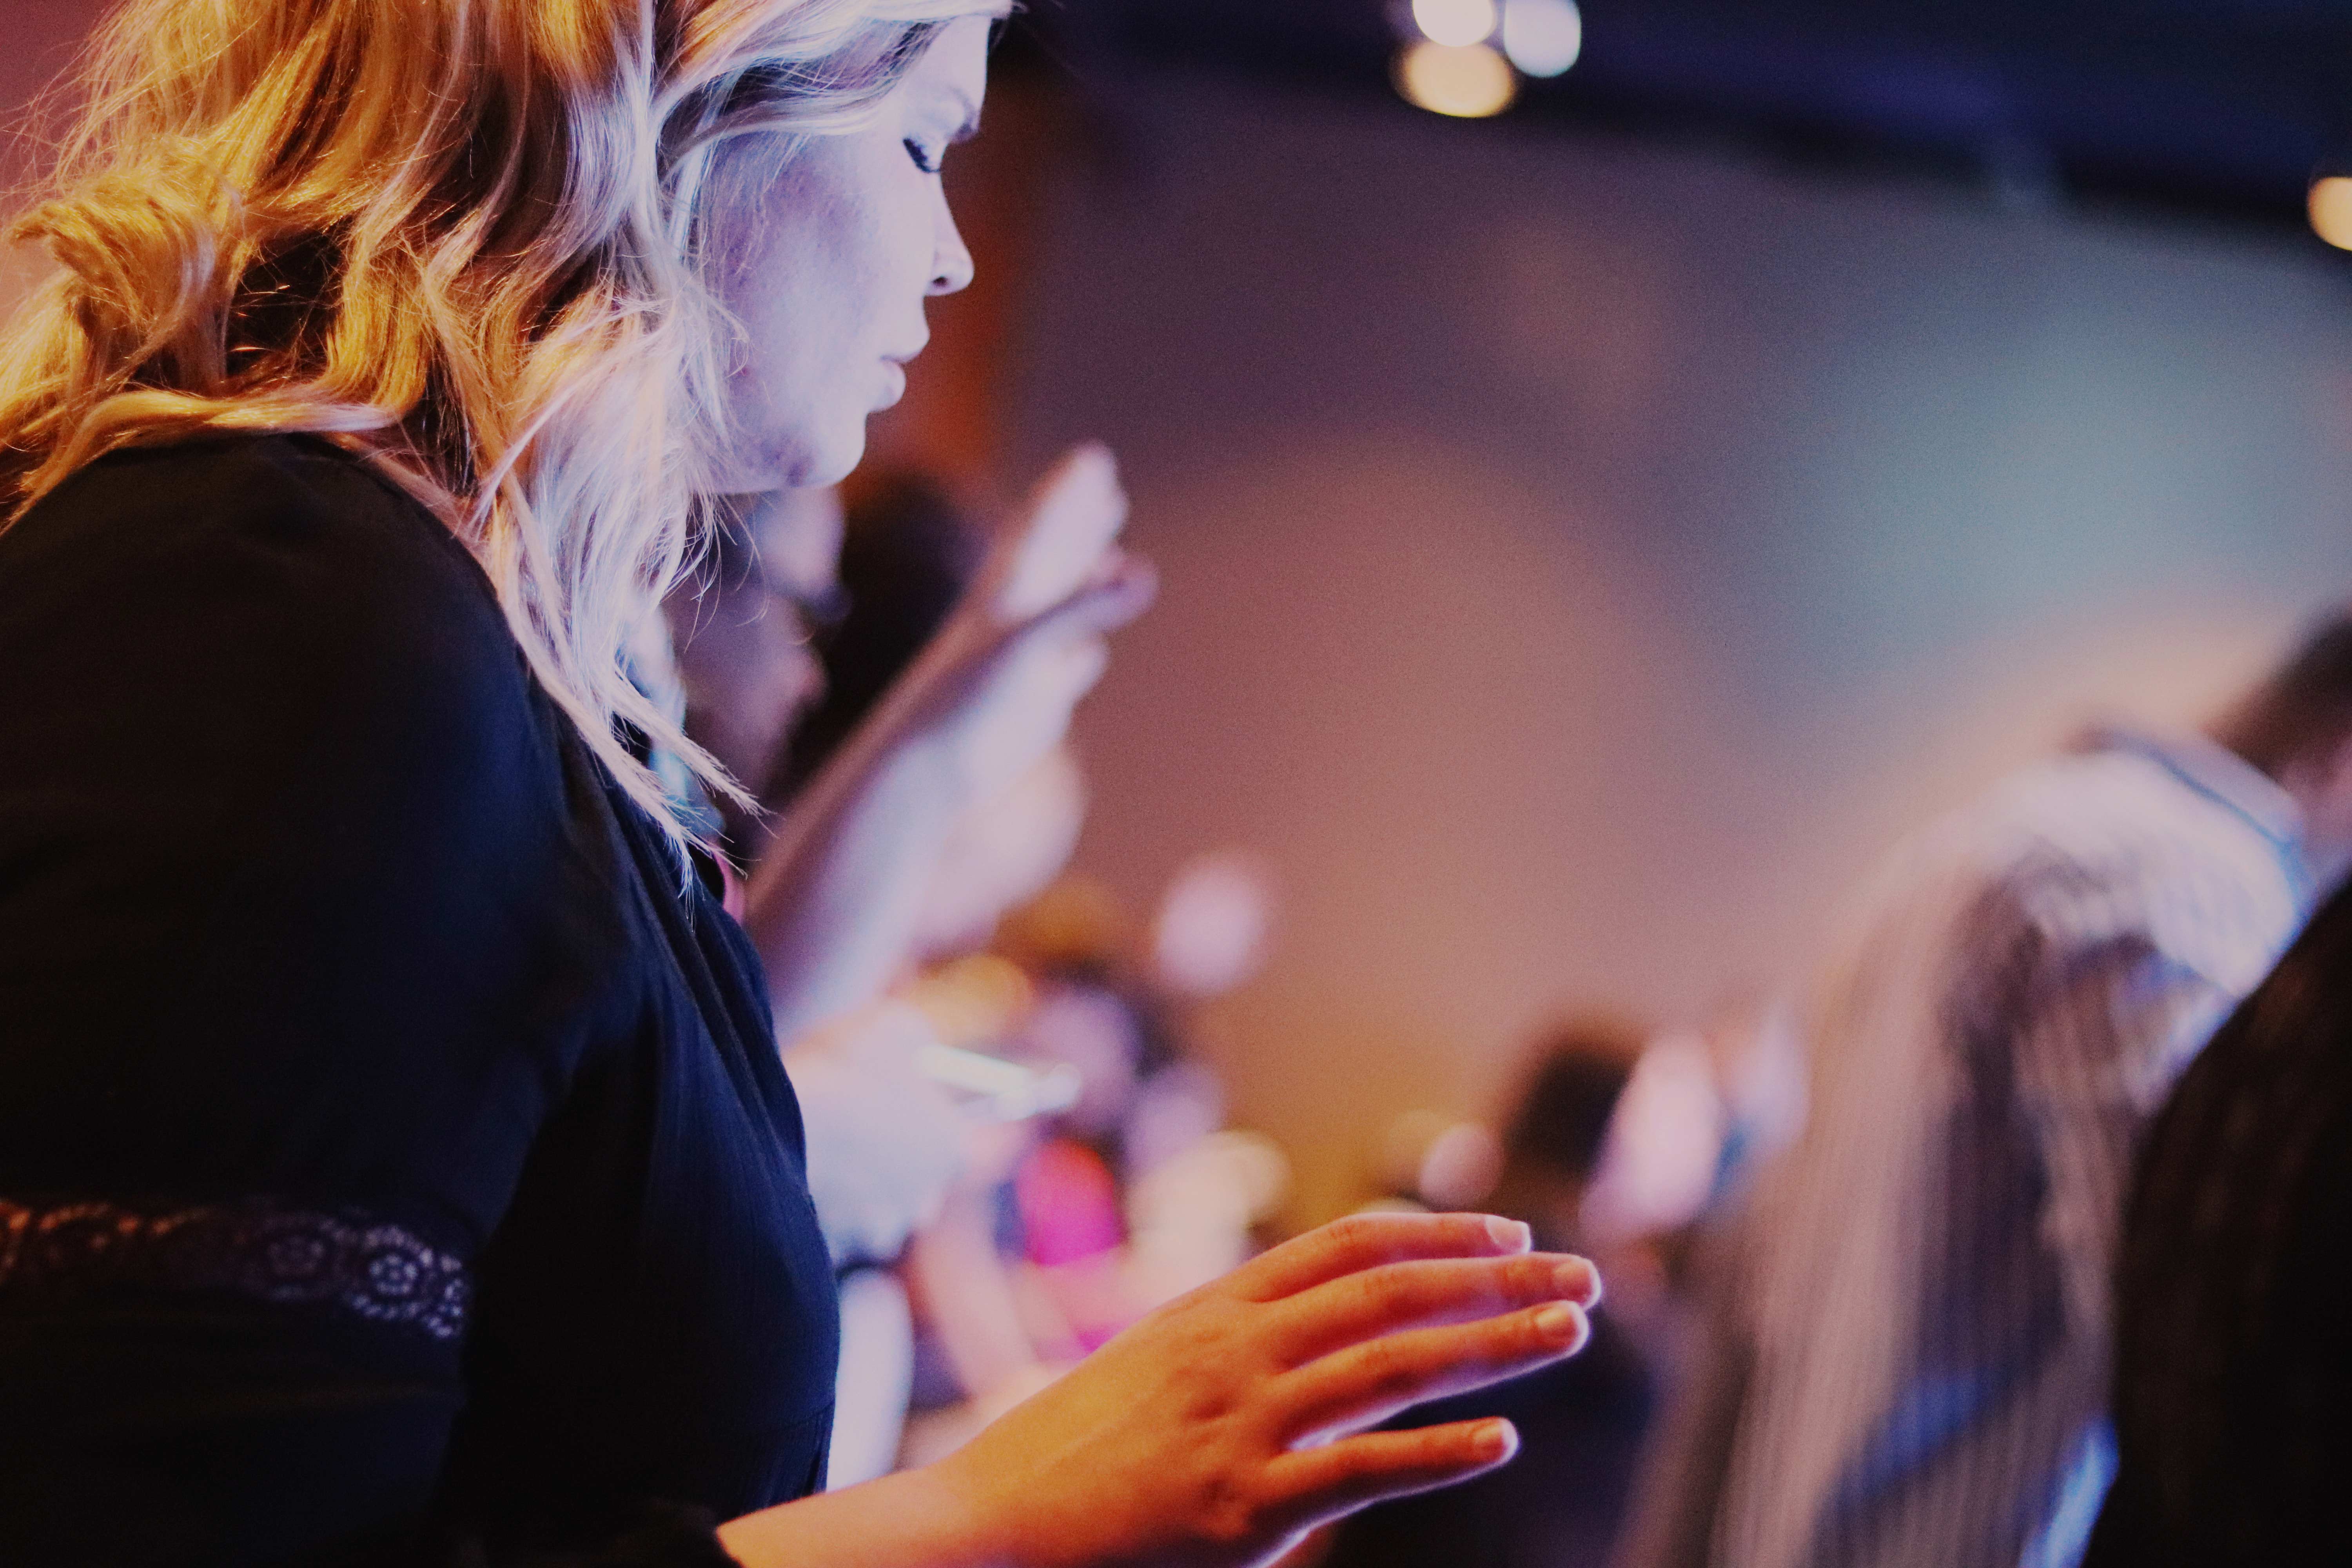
2221,107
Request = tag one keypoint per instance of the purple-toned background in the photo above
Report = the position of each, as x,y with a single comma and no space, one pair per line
1582,557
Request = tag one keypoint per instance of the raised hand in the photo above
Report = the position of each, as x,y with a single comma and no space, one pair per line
1221,1428
834,903
885,1144
997,686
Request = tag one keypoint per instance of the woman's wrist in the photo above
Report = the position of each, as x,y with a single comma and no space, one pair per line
924,730
965,1507
925,770
934,1517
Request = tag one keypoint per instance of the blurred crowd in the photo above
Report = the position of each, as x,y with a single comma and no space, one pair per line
1015,1147
1859,1240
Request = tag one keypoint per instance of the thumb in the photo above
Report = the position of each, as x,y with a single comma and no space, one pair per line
1122,588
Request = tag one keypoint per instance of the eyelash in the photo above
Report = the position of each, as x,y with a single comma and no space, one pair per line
923,161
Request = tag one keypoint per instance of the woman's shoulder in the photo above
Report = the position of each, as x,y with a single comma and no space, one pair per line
267,589
355,554
245,674
283,795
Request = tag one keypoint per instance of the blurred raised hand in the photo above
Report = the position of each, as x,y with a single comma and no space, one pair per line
833,901
997,687
885,1143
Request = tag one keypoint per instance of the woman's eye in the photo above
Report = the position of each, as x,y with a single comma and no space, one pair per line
925,159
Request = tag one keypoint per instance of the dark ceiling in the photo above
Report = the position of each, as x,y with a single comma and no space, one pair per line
2219,106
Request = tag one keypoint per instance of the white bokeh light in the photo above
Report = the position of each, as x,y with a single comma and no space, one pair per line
1542,38
1468,82
1209,935
1664,1144
1454,23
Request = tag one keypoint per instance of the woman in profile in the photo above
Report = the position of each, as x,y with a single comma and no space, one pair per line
396,1165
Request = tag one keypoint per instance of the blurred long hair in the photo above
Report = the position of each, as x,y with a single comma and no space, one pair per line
471,240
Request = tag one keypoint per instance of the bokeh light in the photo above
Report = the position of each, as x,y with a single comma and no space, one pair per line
2331,210
1468,82
1456,23
1542,38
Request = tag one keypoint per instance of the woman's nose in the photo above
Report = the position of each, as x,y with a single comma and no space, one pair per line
952,266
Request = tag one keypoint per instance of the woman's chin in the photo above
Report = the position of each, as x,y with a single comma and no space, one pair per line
829,461
805,465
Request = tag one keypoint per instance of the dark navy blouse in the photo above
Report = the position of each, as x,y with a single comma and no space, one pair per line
395,1161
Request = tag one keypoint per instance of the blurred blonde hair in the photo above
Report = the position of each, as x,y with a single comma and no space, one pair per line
470,239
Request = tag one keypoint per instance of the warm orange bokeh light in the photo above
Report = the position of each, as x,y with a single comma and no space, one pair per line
1469,81
2331,210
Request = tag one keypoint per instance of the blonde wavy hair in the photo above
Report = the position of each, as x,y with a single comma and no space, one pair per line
472,240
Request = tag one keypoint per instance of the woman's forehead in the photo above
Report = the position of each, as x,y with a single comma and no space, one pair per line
954,69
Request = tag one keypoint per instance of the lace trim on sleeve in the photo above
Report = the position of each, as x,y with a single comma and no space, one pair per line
376,1272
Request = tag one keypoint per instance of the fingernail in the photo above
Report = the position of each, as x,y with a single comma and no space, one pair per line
1495,1440
1600,1287
1576,1277
1509,1235
1557,1322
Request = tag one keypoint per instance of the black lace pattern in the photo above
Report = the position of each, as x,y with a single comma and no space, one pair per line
376,1272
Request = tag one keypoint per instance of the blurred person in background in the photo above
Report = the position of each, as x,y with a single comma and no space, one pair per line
804,616
1582,1424
1705,1108
807,607
906,554
782,660
1198,1191
2234,1290
1906,1362
1757,1051
1129,1194
903,1158
807,615
749,631
1144,1100
888,595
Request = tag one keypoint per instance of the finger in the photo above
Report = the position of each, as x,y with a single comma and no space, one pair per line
1074,515
1366,1383
1317,1484
1055,677
1122,589
1048,666
1032,711
1423,1294
1364,1241
1044,679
